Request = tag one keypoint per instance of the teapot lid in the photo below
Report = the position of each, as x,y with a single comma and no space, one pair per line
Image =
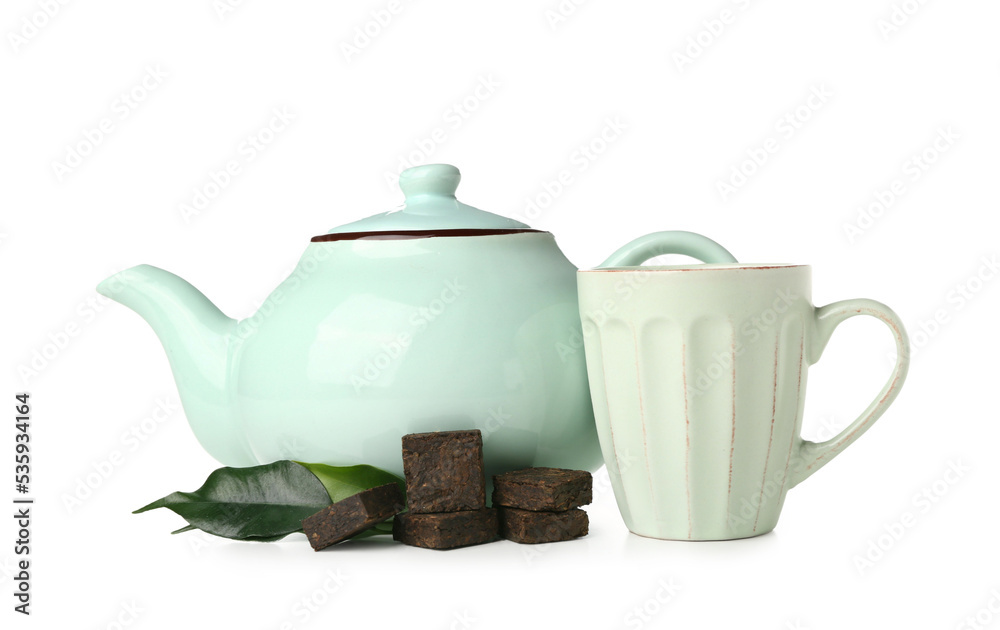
430,205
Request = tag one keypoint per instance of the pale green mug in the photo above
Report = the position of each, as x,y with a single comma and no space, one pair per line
698,375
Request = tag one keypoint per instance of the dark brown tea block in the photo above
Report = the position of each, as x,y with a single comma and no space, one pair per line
543,489
353,515
446,530
444,471
525,526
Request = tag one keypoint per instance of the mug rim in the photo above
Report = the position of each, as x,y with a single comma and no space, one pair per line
698,267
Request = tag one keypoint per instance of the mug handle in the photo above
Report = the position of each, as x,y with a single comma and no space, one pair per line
811,456
640,250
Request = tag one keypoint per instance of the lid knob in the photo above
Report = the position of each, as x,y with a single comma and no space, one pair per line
429,179
430,205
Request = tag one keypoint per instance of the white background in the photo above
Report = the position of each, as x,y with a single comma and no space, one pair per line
890,92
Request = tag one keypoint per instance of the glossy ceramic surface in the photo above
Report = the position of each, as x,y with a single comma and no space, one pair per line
369,339
430,204
698,376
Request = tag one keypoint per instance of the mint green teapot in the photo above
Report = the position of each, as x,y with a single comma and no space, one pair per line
435,316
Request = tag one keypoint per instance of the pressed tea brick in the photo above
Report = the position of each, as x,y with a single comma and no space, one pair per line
525,526
543,489
353,515
444,471
446,530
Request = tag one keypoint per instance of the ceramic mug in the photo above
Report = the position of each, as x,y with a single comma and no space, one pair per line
698,376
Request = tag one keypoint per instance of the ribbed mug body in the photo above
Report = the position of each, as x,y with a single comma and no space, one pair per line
697,376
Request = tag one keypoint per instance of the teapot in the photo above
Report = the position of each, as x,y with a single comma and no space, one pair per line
434,316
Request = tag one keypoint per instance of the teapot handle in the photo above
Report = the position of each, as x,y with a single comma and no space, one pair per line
640,250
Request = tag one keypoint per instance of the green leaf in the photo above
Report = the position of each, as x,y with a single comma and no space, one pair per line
186,528
368,533
346,481
384,527
259,503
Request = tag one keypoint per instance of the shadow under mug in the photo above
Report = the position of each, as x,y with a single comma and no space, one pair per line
698,375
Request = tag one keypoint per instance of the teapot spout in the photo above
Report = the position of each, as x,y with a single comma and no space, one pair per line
200,341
